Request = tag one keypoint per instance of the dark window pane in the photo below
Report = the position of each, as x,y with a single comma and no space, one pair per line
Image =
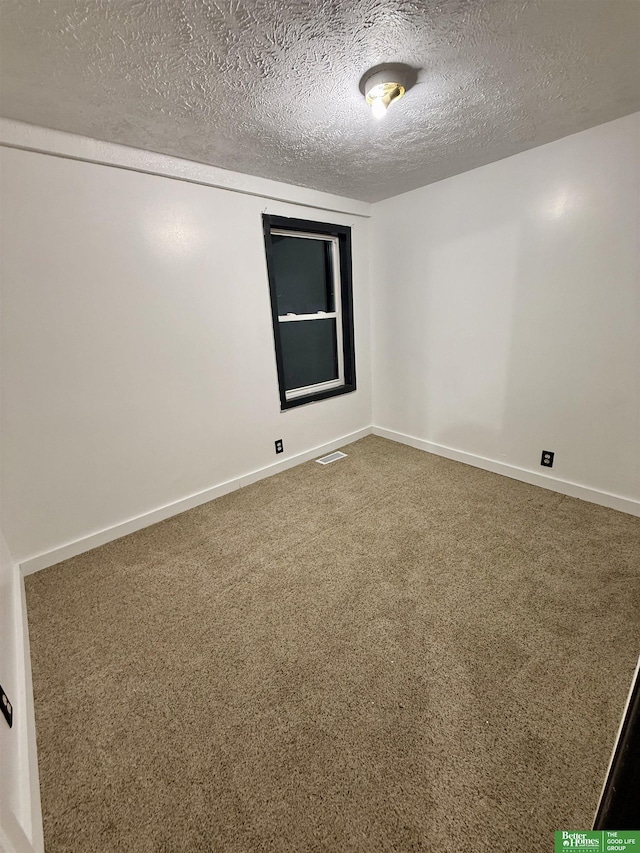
302,272
309,352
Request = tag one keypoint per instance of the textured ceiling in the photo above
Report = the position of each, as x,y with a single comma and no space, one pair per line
271,87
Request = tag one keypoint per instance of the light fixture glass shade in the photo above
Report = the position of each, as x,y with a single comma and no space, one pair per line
380,92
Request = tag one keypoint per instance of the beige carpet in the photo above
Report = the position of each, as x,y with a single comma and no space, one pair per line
392,653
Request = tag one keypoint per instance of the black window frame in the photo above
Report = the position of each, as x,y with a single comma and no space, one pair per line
343,235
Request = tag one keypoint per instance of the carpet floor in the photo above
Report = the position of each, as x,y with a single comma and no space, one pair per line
394,652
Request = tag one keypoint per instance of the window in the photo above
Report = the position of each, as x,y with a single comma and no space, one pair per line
309,266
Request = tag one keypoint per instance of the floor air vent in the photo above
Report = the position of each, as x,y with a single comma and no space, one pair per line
332,457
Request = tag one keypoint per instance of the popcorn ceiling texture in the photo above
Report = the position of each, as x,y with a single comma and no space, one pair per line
272,88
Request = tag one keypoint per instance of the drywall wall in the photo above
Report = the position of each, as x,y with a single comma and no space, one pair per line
139,364
44,140
506,312
20,818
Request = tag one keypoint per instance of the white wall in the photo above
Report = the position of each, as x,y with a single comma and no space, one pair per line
20,819
139,366
507,311
139,363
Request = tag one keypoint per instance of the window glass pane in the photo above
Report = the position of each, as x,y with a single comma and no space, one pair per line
309,352
302,272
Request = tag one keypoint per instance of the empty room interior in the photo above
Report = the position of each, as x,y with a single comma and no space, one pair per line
320,424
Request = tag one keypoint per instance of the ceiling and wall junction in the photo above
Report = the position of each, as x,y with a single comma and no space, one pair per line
271,88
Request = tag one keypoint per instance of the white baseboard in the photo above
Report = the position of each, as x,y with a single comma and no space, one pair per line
12,835
101,537
37,835
564,487
20,821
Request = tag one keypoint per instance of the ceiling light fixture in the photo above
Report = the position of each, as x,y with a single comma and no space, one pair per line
380,92
385,84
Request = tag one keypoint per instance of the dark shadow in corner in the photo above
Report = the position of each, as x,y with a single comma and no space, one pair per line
619,806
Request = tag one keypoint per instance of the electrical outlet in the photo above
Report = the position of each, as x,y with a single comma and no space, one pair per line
547,458
279,446
5,705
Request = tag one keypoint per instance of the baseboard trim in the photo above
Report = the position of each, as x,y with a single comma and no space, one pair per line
21,822
101,537
12,836
37,834
116,531
564,487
